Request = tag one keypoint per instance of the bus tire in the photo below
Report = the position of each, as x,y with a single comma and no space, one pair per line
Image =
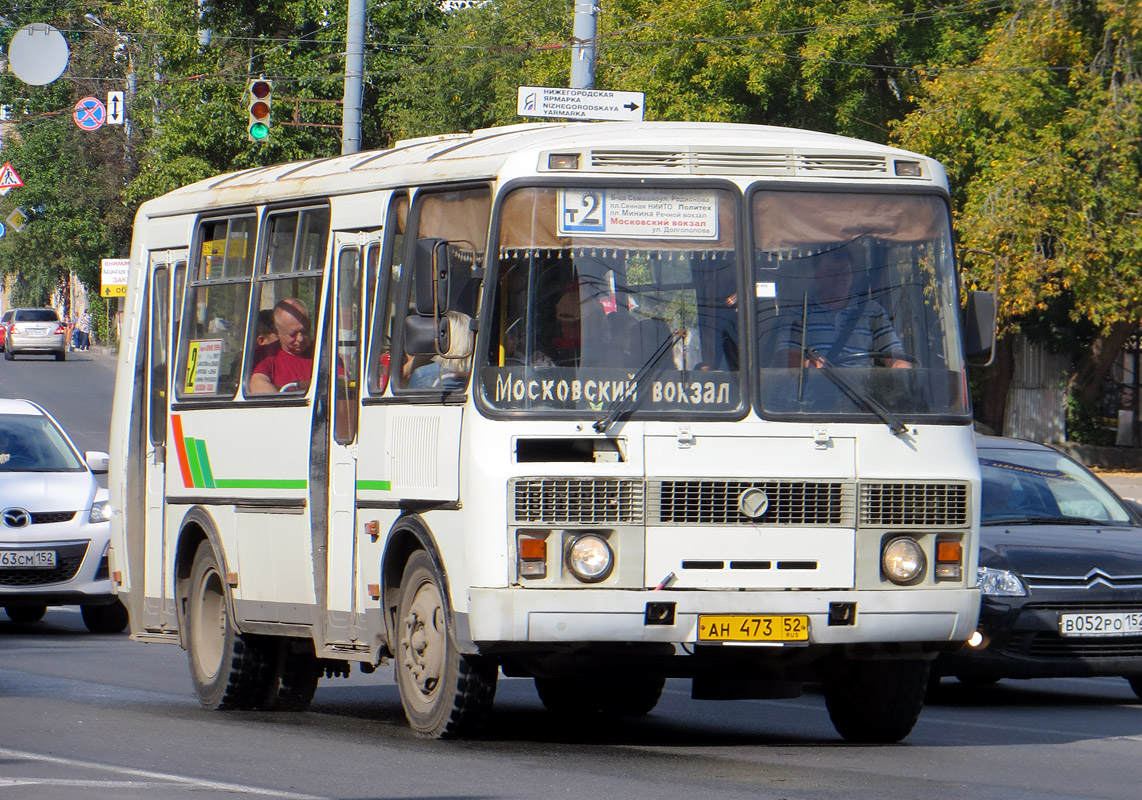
292,675
876,701
444,693
627,696
226,667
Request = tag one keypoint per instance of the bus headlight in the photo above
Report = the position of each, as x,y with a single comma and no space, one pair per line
590,558
903,560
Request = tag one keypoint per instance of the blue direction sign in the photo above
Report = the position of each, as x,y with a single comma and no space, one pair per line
90,114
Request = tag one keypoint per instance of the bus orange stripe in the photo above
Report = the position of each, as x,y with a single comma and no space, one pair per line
180,448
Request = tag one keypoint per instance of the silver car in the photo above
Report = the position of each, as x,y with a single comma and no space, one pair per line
55,522
35,330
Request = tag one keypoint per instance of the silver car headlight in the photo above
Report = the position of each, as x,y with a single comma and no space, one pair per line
1000,583
100,512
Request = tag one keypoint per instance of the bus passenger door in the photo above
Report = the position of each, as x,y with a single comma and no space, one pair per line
344,330
168,270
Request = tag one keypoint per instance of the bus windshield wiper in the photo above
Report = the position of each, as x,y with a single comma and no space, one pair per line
625,403
855,393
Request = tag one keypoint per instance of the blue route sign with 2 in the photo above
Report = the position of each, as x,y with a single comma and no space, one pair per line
90,114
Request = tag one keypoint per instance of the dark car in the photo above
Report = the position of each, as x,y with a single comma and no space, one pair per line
1060,569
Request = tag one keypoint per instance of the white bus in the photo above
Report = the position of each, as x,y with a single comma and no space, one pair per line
555,401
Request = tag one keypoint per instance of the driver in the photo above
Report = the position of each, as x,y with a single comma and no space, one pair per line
836,313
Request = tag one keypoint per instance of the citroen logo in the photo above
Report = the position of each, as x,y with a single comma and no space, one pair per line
16,518
753,503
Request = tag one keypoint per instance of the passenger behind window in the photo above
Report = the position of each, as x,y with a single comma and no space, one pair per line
265,337
290,367
451,369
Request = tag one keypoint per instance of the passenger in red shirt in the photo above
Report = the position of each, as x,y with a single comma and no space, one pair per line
290,368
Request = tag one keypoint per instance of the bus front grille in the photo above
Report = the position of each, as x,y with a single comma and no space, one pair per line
577,501
915,505
715,502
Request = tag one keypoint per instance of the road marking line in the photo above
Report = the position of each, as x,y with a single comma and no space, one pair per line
163,776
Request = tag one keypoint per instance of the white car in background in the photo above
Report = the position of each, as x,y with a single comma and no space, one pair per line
55,522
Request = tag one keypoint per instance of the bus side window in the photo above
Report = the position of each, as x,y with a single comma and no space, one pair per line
286,299
217,295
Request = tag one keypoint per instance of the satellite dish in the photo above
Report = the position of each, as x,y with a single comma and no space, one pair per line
37,54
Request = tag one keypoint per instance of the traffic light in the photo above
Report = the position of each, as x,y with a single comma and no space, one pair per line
261,94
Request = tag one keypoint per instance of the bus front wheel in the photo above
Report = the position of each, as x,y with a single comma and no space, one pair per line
876,701
444,693
226,667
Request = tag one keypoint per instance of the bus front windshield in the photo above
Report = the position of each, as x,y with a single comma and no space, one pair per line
609,297
856,311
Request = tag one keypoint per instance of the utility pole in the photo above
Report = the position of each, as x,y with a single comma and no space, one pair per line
583,48
354,77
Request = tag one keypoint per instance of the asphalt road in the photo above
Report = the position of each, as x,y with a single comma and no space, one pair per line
87,717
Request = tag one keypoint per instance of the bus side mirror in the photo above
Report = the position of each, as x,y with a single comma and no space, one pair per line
433,276
978,325
420,335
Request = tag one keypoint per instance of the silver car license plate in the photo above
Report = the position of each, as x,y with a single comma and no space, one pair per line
27,559
38,331
1111,623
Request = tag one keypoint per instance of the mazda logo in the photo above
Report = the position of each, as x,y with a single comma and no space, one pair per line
16,518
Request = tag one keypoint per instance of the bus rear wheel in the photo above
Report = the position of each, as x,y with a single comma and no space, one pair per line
292,674
227,668
444,693
876,701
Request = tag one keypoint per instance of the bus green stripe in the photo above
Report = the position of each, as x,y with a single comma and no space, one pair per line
204,464
376,486
192,459
260,483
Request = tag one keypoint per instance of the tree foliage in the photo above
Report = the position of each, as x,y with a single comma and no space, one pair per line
1040,134
1033,105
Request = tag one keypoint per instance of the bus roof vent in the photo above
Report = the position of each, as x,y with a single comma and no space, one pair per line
736,162
843,163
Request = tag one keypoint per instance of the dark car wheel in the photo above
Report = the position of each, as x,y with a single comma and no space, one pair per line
1136,684
105,619
61,355
25,613
9,355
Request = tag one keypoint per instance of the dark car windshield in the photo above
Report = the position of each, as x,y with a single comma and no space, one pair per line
1042,486
36,315
30,443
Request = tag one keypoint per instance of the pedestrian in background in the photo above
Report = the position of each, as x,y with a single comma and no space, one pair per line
83,327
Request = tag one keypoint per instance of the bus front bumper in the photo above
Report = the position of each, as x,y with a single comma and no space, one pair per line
615,615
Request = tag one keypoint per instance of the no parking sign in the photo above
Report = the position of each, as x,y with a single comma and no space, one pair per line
90,114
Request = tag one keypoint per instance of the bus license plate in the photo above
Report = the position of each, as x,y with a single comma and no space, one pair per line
735,628
1114,623
27,559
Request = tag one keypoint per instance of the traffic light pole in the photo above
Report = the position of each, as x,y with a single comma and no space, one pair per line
354,77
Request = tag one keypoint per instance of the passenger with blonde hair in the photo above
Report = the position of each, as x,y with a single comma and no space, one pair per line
449,370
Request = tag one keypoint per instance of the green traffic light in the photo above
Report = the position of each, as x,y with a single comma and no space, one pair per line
259,131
